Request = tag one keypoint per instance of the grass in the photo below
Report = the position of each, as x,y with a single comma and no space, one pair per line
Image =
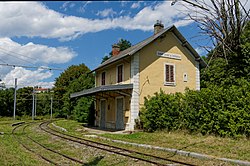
11,152
211,145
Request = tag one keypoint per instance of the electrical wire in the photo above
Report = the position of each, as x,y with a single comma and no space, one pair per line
8,52
34,67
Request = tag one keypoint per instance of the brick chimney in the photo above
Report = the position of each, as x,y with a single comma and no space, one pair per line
115,49
158,27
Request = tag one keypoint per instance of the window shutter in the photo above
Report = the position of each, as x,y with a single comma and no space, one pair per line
167,73
103,78
120,73
171,73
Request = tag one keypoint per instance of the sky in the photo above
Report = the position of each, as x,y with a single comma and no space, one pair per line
59,34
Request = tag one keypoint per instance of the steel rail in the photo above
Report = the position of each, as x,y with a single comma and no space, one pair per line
68,157
27,148
110,146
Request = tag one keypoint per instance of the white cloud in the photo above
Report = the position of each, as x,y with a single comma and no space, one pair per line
33,53
200,51
82,8
29,54
28,77
136,5
34,19
106,13
67,5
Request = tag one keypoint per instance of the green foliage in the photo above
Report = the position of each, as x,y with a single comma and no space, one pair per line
223,111
76,78
123,43
24,101
6,102
161,112
84,110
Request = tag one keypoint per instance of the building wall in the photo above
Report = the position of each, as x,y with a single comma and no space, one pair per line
111,73
111,110
152,67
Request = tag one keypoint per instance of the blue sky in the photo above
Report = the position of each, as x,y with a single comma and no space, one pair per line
60,34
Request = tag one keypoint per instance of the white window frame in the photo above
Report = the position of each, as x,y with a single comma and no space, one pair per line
169,83
122,73
185,79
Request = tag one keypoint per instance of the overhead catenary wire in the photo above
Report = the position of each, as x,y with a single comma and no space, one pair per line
17,55
11,54
34,67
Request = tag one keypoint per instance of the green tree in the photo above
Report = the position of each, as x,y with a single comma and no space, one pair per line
24,101
43,103
6,102
221,73
123,43
73,79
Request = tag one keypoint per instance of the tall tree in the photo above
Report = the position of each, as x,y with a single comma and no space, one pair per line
123,43
6,102
75,78
222,21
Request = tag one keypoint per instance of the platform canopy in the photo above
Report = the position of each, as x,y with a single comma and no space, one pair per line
107,88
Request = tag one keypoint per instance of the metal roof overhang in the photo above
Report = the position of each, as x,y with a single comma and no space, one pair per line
92,91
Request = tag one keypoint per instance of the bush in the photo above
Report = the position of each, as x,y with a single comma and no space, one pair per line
84,111
161,112
223,111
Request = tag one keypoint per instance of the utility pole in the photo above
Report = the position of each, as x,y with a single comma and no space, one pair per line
33,103
51,106
14,113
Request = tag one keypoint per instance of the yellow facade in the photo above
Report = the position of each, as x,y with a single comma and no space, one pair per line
111,73
110,115
152,67
151,76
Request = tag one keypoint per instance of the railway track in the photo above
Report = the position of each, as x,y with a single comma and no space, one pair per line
112,149
29,149
41,145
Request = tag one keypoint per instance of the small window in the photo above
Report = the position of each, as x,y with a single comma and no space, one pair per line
103,78
119,73
169,74
185,77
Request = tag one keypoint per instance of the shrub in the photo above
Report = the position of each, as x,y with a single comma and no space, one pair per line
84,110
223,111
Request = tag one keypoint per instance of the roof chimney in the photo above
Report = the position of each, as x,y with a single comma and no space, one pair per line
158,27
115,49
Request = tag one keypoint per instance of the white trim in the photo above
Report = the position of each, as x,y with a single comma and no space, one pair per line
135,99
197,75
168,55
117,73
169,83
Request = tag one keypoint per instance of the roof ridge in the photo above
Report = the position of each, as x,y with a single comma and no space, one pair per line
130,49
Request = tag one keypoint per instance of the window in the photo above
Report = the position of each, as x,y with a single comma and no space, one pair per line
103,78
185,77
169,74
119,73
